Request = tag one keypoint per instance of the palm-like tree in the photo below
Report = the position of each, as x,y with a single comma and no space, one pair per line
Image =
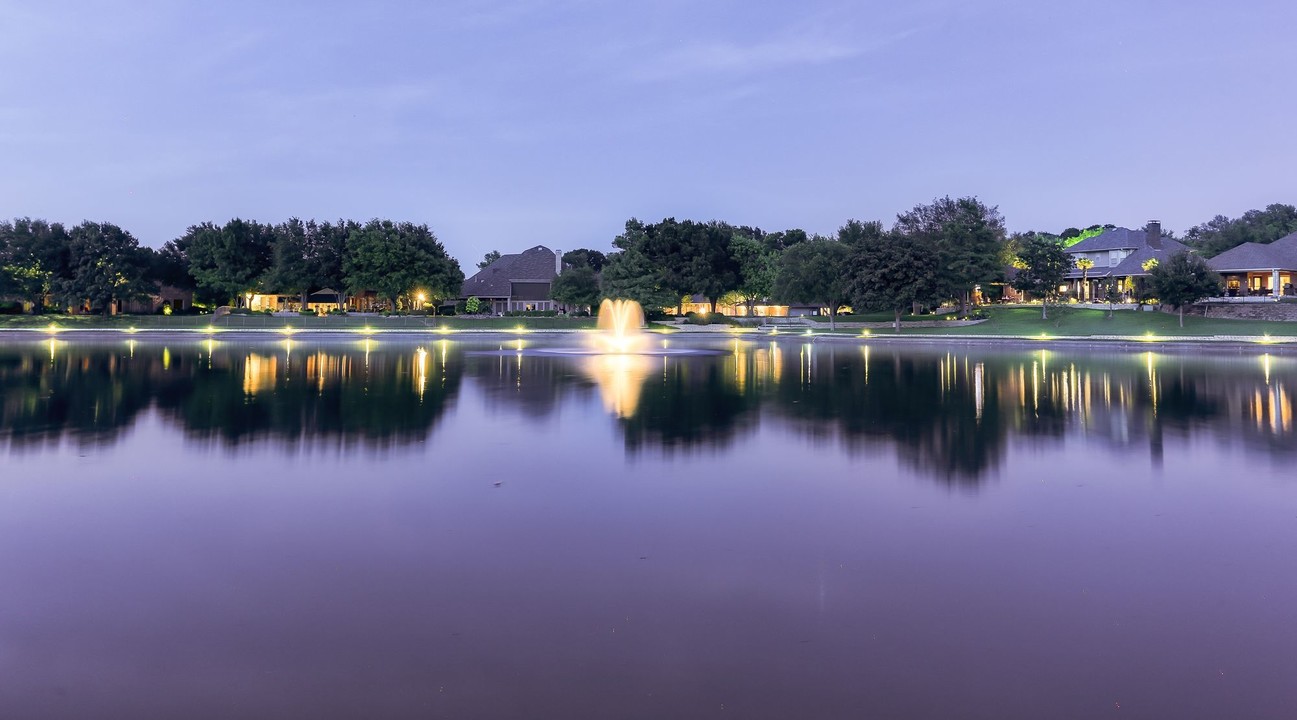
1084,264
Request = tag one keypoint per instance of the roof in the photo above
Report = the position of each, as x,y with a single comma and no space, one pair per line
536,265
1124,239
1278,255
1114,239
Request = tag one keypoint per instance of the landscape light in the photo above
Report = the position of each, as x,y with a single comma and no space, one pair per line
131,329
53,328
1266,339
288,330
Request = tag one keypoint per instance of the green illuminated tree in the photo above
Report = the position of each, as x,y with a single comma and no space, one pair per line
1042,266
1182,280
1084,265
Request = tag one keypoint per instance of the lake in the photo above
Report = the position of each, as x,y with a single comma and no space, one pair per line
481,528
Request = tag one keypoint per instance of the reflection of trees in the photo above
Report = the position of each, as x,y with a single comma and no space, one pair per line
927,407
229,392
91,393
949,415
690,403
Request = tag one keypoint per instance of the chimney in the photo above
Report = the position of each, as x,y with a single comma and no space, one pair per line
1153,231
558,262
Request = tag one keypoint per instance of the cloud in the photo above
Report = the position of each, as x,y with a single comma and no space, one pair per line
731,58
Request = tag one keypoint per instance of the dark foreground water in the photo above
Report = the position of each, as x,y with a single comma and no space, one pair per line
463,530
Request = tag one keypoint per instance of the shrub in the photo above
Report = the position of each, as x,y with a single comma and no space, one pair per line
308,312
532,313
10,308
337,311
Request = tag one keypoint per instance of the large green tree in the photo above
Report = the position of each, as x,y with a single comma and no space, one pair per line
487,259
712,269
1184,279
34,256
815,271
107,265
1042,266
889,271
758,267
576,286
397,260
594,259
292,270
1259,226
229,261
968,236
631,275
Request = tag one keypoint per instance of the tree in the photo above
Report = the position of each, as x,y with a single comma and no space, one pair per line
474,306
34,255
649,269
488,258
1184,279
292,270
576,286
855,232
712,268
631,275
813,271
397,260
593,259
1084,264
1259,226
968,236
107,265
892,272
232,260
758,266
1042,266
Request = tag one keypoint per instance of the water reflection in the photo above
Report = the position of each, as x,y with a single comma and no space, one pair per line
952,415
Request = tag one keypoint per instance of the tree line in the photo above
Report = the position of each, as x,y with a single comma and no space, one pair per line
933,253
94,264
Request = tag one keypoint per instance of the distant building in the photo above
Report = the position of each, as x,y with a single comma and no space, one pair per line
1253,269
1118,254
517,282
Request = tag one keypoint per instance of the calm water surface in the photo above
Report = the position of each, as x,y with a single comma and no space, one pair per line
478,529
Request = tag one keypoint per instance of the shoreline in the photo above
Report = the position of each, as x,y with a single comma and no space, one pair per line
1282,344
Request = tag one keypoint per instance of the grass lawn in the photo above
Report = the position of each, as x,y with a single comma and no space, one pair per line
263,322
1076,322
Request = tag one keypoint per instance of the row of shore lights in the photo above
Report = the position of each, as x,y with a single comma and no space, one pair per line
54,329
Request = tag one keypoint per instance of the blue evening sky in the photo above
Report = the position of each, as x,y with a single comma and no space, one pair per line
507,124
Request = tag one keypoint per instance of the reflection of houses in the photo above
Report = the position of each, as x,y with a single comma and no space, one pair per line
1259,269
517,282
1119,255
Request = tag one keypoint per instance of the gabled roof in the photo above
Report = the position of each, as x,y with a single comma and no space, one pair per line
1278,255
535,265
1114,239
1136,241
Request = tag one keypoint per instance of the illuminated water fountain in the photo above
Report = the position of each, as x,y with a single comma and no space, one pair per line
621,327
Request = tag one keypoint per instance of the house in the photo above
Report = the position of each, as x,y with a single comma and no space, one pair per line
517,282
698,303
1253,269
1121,255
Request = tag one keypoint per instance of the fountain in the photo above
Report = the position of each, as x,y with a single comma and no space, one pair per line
621,327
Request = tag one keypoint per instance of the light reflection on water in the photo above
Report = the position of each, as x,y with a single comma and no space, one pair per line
472,528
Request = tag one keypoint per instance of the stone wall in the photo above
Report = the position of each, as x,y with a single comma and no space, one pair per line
1275,311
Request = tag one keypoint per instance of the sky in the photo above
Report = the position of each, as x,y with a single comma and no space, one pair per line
504,125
